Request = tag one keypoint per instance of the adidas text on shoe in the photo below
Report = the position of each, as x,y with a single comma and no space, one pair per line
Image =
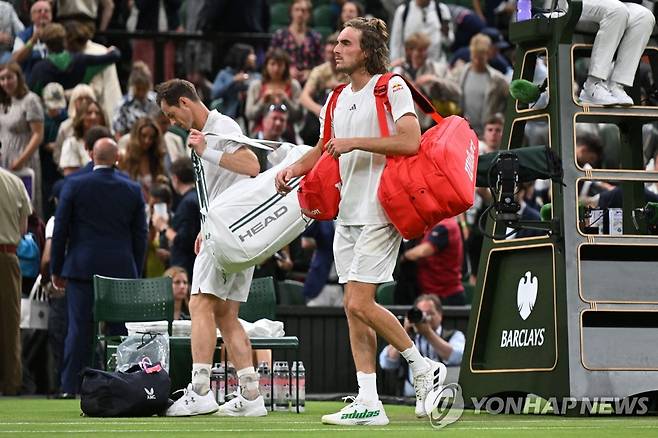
241,407
192,403
427,384
358,413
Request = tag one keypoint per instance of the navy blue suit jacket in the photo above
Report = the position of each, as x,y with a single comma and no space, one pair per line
100,224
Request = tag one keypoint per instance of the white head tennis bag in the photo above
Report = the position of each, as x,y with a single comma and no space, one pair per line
248,222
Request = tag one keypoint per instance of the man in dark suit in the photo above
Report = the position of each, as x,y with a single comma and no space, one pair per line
100,224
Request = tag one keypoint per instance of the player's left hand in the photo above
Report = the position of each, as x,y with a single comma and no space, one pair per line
338,146
197,141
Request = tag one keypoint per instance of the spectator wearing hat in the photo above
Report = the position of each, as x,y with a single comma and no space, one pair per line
55,105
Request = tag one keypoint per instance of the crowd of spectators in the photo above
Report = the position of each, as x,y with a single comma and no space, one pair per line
60,87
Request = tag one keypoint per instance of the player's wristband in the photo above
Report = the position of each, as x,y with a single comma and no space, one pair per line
212,155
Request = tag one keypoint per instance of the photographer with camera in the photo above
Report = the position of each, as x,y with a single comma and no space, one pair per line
423,324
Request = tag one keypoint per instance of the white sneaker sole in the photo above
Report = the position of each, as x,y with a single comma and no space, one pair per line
326,419
258,413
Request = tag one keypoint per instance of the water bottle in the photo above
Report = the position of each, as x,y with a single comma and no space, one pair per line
298,367
281,393
265,384
217,383
523,10
231,381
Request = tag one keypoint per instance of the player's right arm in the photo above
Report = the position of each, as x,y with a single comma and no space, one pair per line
298,168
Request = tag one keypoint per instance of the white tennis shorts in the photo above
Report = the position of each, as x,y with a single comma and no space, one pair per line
366,253
207,279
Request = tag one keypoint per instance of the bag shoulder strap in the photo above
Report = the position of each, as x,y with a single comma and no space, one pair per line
382,104
329,113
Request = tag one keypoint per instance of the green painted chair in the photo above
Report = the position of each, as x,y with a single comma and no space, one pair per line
386,293
279,16
130,300
323,16
291,292
261,302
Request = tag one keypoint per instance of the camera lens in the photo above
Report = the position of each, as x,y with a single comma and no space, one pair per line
415,315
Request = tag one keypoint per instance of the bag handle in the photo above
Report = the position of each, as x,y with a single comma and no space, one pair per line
382,104
36,293
328,115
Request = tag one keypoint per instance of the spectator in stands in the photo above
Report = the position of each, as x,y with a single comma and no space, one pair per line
144,157
100,228
21,127
274,126
81,95
148,19
232,82
10,27
529,211
28,48
322,235
349,10
249,16
495,58
484,89
180,232
157,258
139,102
55,106
173,143
430,77
322,80
15,207
624,28
276,87
104,83
74,155
64,67
439,257
589,150
299,41
493,134
86,10
430,337
181,290
202,85
428,16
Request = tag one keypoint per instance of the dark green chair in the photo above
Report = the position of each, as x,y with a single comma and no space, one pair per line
386,293
291,292
130,300
261,302
323,16
325,31
279,16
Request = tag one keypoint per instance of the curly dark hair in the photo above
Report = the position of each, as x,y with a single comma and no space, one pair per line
279,55
237,55
374,43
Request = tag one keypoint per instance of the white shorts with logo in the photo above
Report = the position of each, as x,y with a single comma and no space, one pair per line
366,253
208,279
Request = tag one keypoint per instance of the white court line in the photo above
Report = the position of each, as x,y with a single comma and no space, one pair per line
321,429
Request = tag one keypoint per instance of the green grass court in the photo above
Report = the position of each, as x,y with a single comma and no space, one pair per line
40,417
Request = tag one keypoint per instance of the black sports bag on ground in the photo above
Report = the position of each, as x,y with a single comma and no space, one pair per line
141,391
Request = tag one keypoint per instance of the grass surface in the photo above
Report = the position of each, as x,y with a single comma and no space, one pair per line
41,417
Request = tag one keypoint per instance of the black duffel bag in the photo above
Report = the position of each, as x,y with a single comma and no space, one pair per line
141,391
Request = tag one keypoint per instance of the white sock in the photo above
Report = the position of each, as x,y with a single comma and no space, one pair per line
367,386
416,362
201,378
248,379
